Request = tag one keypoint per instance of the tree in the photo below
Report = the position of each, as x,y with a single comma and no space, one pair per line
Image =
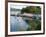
31,9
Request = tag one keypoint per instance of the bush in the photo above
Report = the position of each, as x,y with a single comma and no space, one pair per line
34,24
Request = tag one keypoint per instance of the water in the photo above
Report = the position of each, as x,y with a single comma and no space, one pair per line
17,24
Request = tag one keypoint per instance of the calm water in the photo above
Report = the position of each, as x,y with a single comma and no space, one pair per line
17,24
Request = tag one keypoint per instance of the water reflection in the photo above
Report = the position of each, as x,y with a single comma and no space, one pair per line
17,24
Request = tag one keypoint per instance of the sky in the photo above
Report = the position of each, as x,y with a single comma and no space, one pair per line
18,6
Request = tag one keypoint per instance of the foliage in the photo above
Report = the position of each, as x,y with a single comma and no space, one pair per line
31,9
34,24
